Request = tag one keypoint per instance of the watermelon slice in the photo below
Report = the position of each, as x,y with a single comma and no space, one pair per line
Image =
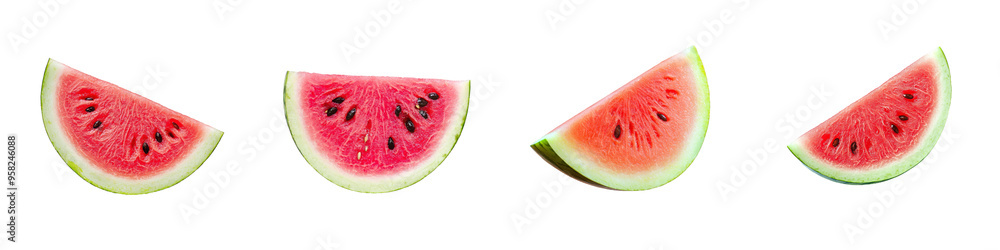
886,132
117,140
641,136
374,134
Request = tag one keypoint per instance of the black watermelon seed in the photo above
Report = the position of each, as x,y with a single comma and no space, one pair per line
835,143
618,131
409,125
171,134
159,138
90,109
661,116
350,114
338,100
392,144
145,148
433,96
89,98
908,96
331,111
398,109
423,114
421,102
175,125
97,124
903,118
894,128
854,147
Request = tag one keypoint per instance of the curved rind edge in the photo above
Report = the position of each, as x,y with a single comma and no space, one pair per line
85,169
543,149
892,169
365,184
554,148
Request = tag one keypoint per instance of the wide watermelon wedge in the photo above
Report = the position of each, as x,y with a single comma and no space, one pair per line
640,136
374,134
886,132
117,140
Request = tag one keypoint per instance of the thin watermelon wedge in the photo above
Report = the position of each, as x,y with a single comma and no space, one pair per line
642,135
885,133
374,134
117,140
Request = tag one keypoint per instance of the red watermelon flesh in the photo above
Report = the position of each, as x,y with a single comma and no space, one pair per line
641,136
637,108
116,139
886,132
374,134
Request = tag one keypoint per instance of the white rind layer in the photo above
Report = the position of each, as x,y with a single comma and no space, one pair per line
563,154
88,169
369,184
889,169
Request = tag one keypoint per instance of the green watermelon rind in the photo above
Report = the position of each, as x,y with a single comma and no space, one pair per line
561,154
370,184
92,174
896,168
545,150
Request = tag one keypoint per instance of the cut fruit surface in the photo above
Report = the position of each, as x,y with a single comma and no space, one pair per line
374,134
117,140
642,135
886,132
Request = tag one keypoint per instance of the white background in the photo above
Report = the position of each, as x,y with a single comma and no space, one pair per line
775,69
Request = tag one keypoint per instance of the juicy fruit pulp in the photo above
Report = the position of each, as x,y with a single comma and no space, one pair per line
641,136
374,134
886,132
117,140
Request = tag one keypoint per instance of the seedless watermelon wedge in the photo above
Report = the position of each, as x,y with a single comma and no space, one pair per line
642,135
374,134
886,132
117,140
